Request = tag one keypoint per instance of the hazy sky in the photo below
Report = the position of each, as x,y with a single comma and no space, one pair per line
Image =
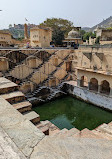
80,12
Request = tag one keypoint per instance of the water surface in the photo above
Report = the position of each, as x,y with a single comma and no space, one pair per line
69,112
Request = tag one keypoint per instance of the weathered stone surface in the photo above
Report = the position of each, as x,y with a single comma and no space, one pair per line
20,130
72,148
8,149
97,99
32,116
23,106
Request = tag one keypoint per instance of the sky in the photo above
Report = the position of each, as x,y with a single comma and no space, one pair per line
84,13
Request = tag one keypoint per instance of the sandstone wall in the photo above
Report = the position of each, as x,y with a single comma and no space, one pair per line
33,62
47,68
60,74
38,77
4,65
21,71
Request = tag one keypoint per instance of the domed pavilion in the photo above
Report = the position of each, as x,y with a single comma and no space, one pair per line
73,38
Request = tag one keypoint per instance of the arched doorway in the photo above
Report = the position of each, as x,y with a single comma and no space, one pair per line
93,84
105,87
84,81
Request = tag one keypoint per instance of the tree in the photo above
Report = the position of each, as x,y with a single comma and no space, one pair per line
60,28
58,36
87,35
82,32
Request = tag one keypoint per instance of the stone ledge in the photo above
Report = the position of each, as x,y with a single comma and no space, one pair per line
22,132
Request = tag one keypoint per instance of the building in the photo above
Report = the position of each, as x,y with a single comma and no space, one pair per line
5,38
105,35
40,36
73,38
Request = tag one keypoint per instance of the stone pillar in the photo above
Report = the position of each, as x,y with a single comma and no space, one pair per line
78,82
88,85
98,88
110,92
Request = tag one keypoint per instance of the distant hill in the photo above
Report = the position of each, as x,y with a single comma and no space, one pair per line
86,28
104,24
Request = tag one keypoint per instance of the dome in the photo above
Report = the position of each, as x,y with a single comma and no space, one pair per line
73,33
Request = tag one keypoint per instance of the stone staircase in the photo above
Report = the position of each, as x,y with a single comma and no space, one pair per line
9,92
75,144
103,131
9,76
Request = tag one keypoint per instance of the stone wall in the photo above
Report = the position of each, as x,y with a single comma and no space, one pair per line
91,97
33,62
21,71
4,64
93,58
38,77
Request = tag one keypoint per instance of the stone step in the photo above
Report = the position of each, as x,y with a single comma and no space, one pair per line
86,133
23,106
52,129
14,97
110,124
8,89
102,134
32,116
105,128
7,86
72,132
44,127
61,133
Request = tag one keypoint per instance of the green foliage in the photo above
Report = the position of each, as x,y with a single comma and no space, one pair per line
20,39
87,35
97,41
109,28
58,36
60,28
82,32
17,33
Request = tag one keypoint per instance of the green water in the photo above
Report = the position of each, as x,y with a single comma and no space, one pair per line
69,112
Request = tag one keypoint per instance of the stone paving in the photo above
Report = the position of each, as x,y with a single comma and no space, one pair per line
19,129
8,149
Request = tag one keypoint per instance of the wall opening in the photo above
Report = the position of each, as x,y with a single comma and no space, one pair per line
84,81
93,84
105,87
